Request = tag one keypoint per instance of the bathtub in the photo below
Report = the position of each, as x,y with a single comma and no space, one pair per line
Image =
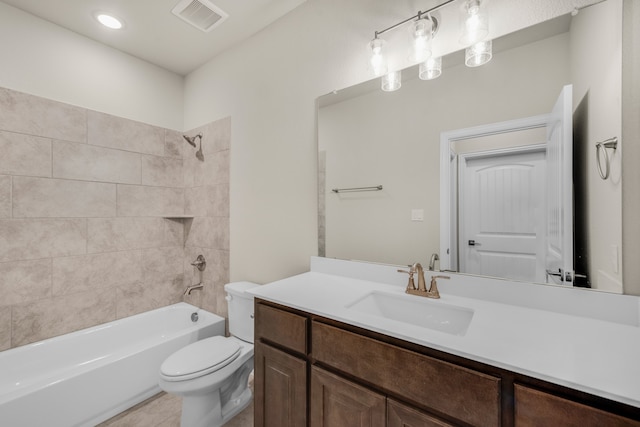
88,376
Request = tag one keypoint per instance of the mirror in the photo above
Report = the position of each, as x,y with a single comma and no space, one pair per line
372,139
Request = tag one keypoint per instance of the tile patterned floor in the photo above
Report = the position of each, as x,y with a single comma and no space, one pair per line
163,410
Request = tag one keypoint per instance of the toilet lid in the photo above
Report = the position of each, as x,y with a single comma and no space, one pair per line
200,358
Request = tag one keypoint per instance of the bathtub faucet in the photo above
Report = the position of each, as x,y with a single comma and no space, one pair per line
191,288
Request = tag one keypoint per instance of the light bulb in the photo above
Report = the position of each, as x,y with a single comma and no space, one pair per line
430,69
377,62
420,34
392,81
475,23
478,54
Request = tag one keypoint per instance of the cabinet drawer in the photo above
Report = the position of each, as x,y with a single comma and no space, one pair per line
281,327
466,395
537,408
399,415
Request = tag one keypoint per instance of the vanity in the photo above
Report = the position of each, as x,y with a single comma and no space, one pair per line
343,345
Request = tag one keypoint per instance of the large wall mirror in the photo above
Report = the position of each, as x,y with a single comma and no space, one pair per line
395,143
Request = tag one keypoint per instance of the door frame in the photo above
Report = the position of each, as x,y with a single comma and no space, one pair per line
449,190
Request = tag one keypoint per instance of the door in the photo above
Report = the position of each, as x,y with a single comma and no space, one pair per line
502,213
337,402
281,388
559,251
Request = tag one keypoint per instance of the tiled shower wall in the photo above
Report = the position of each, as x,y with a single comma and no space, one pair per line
85,205
207,200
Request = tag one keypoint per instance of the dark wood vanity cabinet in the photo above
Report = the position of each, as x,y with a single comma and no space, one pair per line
280,374
313,371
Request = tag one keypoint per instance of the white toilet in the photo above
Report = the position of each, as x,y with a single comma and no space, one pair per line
211,375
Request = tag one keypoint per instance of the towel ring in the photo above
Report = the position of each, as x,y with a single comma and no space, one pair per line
601,148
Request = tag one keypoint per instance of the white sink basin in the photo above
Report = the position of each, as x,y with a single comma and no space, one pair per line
416,311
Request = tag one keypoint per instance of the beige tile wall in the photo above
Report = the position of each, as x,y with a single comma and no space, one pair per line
85,236
207,199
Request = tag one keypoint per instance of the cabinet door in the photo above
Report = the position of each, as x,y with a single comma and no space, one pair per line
338,402
400,415
536,408
280,388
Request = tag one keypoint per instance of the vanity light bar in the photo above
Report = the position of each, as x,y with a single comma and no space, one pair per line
418,16
425,26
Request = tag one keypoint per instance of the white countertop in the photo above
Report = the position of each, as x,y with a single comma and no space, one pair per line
600,357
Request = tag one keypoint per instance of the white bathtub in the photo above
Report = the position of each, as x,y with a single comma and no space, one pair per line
88,376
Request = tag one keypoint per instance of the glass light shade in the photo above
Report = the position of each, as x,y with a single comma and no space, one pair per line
475,22
478,54
377,62
392,81
431,69
420,35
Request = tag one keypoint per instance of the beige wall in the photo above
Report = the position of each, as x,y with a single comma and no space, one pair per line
630,136
43,59
269,85
84,197
597,91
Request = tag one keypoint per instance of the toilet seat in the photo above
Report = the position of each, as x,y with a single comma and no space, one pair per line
200,358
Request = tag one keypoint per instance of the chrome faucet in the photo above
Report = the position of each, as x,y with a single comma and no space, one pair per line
432,261
192,288
421,289
200,263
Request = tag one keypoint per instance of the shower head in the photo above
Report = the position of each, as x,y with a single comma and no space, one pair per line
192,139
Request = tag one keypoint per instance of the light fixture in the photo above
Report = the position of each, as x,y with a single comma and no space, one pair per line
109,21
430,69
420,35
392,81
475,23
478,54
422,28
378,62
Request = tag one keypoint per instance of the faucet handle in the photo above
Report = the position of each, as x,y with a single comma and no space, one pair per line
433,287
200,263
410,272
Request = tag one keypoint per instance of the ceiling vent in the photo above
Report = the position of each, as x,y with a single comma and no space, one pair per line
202,14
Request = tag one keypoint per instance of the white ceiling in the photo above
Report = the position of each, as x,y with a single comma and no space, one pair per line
153,33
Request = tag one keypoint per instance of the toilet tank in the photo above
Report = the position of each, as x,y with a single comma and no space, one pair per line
240,305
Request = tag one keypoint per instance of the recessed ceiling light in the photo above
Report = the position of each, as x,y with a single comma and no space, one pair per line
109,21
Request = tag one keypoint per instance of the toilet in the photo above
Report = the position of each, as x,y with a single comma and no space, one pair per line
211,375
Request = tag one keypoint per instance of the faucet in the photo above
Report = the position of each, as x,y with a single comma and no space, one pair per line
192,288
200,263
432,261
421,289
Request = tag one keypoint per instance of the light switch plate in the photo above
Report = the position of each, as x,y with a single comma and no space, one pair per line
417,214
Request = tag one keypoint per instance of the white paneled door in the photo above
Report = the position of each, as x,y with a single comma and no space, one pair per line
502,213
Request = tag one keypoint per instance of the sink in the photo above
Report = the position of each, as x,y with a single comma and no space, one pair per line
416,311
